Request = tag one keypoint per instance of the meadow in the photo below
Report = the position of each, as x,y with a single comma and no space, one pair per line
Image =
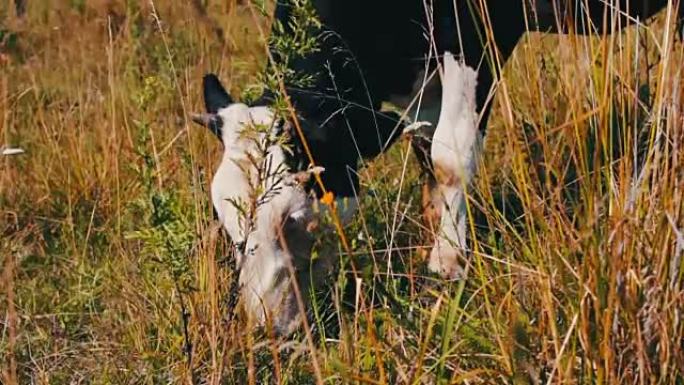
114,271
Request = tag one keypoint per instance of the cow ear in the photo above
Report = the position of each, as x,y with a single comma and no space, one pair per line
215,96
211,121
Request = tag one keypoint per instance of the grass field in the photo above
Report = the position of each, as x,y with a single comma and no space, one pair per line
115,273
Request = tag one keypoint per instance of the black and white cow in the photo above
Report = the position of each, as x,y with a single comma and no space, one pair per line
373,52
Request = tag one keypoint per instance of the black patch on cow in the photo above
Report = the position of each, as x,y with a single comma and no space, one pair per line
370,50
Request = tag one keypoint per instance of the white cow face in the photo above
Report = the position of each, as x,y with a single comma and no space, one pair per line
261,204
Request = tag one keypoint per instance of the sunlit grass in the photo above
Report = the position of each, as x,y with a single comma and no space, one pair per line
577,211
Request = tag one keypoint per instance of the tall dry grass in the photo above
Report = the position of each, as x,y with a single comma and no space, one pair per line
576,275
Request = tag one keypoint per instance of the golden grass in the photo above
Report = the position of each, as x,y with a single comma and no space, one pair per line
577,275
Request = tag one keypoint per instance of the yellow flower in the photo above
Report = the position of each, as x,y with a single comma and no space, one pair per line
327,198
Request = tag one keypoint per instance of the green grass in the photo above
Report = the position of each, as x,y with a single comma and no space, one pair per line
107,238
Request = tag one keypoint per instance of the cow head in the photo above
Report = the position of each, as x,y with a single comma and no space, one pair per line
262,205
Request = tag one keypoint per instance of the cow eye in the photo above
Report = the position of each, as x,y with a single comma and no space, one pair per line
240,246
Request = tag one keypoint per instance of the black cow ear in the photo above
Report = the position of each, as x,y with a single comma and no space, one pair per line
215,96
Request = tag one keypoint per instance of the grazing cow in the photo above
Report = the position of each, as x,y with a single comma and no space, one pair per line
386,50
371,52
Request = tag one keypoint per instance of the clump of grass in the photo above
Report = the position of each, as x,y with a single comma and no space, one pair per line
577,217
